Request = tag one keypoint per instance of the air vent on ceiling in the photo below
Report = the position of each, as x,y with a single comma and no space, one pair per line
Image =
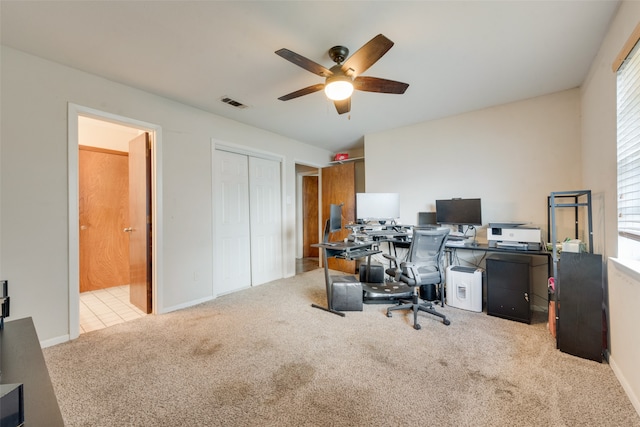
233,102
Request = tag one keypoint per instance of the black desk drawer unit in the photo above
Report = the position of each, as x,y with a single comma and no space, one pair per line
509,287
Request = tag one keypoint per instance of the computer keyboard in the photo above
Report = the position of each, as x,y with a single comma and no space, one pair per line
358,253
384,232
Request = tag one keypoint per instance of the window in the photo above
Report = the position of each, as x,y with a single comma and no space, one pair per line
628,144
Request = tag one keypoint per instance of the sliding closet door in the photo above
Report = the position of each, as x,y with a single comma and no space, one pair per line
233,257
248,212
266,220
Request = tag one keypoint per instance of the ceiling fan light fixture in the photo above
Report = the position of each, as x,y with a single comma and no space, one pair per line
338,88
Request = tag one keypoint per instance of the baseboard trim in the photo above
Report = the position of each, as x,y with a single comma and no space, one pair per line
186,305
54,341
635,401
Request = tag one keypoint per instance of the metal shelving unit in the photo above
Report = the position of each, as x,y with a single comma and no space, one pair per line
578,285
578,199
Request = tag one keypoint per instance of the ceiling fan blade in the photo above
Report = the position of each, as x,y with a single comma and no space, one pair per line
375,84
301,92
303,62
367,55
343,106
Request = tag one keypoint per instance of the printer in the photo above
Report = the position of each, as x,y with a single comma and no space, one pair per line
514,235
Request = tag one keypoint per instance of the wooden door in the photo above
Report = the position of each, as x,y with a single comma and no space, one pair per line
310,233
339,186
103,179
140,222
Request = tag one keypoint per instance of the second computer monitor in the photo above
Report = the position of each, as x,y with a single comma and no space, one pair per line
377,206
427,218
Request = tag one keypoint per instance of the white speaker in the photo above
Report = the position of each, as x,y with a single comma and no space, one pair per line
464,287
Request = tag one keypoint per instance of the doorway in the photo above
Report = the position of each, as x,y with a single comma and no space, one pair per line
119,131
308,218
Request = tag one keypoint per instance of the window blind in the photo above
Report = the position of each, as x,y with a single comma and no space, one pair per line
628,129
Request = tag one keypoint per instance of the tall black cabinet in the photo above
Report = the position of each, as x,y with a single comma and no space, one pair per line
579,327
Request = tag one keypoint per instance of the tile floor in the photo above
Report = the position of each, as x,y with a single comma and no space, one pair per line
110,306
306,264
106,307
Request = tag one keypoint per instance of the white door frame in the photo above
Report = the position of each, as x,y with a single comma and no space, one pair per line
155,131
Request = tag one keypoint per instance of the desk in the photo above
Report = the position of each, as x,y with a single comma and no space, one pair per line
345,250
23,363
450,249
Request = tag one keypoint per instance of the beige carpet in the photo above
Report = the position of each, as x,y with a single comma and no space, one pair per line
265,357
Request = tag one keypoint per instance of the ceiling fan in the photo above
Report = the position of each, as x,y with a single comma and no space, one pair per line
345,76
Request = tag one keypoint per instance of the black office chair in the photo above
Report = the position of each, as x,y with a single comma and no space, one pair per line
424,268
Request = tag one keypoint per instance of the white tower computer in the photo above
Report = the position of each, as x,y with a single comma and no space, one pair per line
464,287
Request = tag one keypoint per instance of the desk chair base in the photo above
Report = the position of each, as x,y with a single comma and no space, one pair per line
416,306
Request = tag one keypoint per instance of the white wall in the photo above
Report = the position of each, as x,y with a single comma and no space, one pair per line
599,174
511,156
34,191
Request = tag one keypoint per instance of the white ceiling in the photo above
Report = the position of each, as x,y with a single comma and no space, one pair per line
457,56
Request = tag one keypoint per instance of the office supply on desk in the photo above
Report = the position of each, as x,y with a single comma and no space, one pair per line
424,268
515,236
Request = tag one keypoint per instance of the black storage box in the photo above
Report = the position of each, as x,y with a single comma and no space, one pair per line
376,273
346,293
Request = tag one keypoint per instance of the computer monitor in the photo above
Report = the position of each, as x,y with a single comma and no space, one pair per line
380,207
335,218
334,222
459,212
427,218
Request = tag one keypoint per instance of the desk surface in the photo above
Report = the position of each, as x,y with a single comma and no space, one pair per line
485,247
23,363
344,246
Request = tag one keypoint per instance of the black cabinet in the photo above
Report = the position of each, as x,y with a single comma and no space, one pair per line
509,287
579,326
23,363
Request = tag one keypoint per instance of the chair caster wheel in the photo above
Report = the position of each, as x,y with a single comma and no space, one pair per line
388,314
417,327
446,322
